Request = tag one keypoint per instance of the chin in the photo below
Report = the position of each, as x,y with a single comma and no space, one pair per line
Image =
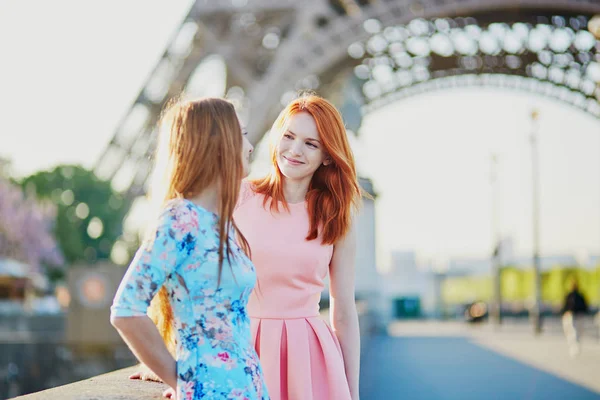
294,175
291,172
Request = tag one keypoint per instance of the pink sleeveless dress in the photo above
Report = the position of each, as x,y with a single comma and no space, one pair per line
300,355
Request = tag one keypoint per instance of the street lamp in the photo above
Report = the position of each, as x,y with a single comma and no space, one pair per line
536,311
594,28
496,309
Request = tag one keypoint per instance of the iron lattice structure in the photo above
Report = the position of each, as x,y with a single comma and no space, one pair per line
362,54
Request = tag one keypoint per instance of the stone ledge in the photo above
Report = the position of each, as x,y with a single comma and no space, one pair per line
112,386
117,386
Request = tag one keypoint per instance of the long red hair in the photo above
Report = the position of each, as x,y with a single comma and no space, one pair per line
334,191
202,146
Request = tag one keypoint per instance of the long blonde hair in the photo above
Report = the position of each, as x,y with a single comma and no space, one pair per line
202,146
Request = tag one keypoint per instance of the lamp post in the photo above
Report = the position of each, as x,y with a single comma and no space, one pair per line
594,28
496,309
536,311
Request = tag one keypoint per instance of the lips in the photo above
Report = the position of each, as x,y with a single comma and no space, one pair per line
292,161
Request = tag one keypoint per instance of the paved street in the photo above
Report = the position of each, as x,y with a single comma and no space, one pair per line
481,365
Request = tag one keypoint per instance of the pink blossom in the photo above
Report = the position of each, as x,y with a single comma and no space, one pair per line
26,229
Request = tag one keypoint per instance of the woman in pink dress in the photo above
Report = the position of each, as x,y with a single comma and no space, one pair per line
298,223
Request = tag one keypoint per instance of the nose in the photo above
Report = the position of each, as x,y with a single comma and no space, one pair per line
296,148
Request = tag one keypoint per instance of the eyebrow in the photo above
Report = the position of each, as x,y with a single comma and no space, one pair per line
311,139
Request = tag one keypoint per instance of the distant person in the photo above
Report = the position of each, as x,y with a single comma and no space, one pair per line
574,308
196,264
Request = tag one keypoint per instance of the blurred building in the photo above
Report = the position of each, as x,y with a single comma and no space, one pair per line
414,288
23,291
368,280
411,287
367,277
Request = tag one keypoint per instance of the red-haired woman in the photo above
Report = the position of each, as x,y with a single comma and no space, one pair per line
298,223
198,274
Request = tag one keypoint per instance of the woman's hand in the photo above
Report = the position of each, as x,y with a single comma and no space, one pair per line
170,394
143,339
145,374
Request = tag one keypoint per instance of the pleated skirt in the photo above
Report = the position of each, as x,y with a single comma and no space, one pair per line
301,359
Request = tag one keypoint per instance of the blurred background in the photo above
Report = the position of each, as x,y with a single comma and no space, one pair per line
475,125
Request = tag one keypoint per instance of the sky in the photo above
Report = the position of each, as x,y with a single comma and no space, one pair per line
430,156
71,69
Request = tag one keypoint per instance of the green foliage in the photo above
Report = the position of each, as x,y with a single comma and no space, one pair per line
90,212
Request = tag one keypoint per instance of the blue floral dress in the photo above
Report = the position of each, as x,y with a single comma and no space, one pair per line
215,357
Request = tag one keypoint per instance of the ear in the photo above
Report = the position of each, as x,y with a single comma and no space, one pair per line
327,161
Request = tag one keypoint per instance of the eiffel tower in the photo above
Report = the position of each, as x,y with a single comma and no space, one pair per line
362,55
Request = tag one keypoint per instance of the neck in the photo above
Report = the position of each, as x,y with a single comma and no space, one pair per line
208,199
295,191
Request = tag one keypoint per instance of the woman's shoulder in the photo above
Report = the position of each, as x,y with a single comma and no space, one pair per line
176,219
176,208
185,212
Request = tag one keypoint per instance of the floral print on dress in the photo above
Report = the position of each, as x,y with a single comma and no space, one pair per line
215,357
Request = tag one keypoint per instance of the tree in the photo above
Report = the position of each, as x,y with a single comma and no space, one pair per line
89,212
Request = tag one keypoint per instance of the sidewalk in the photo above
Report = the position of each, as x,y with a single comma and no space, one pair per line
547,352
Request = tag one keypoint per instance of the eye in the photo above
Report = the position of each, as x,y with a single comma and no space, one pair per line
287,136
311,144
244,132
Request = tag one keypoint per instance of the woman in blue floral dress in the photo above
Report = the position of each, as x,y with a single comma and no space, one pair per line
196,265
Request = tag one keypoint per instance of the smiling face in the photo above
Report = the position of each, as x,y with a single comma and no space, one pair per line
300,151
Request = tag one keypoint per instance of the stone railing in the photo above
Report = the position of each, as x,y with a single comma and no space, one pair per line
116,385
112,386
